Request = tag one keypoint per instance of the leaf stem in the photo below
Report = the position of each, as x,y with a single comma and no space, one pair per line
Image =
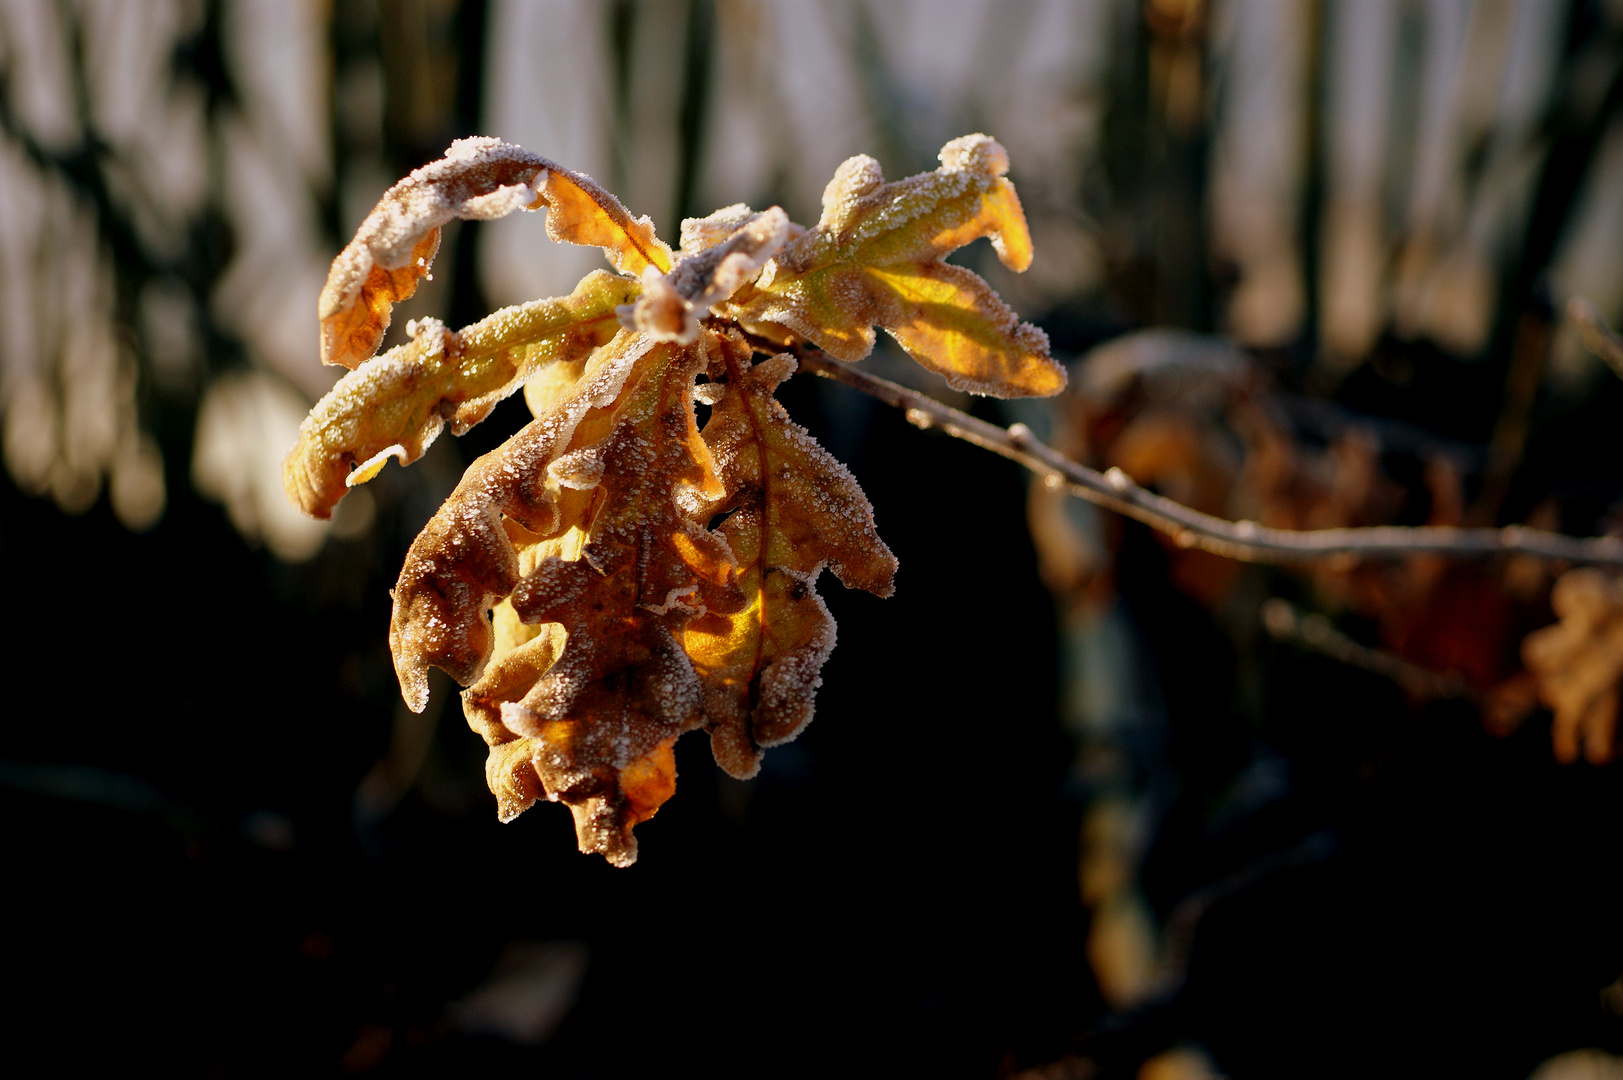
1246,541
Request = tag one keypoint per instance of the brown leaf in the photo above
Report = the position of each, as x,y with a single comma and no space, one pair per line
464,561
1579,664
874,259
570,582
396,404
794,509
478,179
625,475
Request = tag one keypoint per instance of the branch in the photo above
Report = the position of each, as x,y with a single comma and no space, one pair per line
1243,540
1316,633
1597,337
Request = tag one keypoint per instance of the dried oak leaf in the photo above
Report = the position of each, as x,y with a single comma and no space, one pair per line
571,582
875,259
794,509
395,405
1578,663
478,179
620,465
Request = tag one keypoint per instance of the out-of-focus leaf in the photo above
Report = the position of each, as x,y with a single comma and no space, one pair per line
396,404
478,179
874,259
795,509
1579,664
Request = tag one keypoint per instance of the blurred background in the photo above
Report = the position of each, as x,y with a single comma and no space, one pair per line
1135,811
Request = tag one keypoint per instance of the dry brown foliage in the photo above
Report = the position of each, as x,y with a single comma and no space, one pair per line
1579,664
1198,420
572,581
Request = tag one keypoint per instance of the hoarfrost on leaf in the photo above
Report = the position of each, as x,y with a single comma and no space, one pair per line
572,581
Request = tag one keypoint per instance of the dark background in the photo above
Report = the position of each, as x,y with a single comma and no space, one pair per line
231,852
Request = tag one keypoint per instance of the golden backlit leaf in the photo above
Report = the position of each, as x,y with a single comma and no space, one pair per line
477,180
395,405
580,211
951,322
360,294
571,581
794,509
874,259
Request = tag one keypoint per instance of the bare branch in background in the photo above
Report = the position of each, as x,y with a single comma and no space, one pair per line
1597,337
1315,632
1243,540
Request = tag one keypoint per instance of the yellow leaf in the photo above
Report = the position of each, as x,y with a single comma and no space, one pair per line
395,405
951,322
579,211
874,259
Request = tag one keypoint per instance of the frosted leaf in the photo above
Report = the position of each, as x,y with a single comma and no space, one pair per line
597,708
794,509
478,179
397,403
706,232
874,259
672,304
571,582
463,561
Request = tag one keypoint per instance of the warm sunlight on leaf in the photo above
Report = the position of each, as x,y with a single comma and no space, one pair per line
572,581
621,464
396,404
874,259
794,509
478,180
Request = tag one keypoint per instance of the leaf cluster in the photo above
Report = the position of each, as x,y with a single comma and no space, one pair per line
613,576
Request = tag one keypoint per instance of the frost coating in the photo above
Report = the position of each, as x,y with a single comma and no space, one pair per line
794,509
672,304
571,581
612,465
874,259
396,404
479,179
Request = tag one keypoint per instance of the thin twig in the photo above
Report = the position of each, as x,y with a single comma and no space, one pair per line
1315,632
1243,540
1597,337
